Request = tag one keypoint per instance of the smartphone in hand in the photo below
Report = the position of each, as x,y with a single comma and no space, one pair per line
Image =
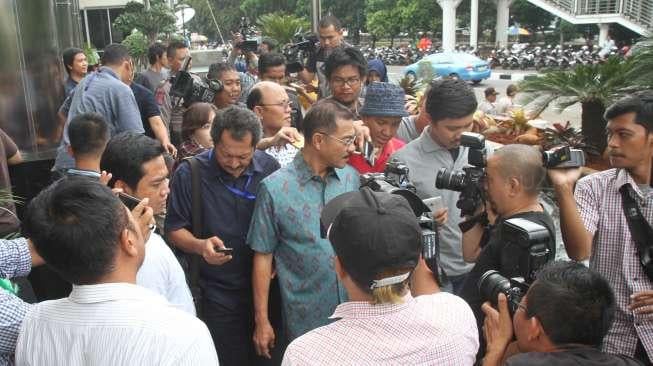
129,201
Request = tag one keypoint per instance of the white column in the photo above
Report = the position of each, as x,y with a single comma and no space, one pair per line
473,28
604,28
449,23
503,17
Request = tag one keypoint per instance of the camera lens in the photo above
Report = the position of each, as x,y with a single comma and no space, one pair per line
452,180
491,284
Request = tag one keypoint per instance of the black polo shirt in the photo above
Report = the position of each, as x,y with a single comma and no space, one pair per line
225,214
146,106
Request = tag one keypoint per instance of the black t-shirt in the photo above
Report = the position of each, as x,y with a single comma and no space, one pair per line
146,105
579,356
500,255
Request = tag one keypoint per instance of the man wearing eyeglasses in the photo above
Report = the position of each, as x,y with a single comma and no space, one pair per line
230,174
345,70
270,102
285,228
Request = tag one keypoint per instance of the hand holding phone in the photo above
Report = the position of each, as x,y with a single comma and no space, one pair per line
129,201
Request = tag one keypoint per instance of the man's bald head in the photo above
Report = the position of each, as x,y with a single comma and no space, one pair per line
269,101
263,90
522,162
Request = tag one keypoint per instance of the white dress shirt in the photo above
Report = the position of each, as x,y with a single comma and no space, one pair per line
162,273
112,324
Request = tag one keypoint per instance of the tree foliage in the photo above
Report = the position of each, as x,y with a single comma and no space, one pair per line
159,19
282,27
529,16
137,43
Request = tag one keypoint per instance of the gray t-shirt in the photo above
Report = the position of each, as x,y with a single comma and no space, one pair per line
424,157
407,130
152,79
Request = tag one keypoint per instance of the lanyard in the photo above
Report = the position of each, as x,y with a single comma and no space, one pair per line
242,194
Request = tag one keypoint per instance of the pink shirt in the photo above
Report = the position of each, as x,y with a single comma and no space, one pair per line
362,166
437,329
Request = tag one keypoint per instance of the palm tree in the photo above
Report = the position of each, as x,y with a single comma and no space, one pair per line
593,86
642,71
282,28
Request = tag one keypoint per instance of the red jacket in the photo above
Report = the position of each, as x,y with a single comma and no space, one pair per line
359,163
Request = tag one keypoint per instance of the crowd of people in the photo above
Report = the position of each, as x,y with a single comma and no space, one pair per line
235,232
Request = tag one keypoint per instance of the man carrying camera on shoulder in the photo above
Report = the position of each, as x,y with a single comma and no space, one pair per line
561,320
512,183
594,225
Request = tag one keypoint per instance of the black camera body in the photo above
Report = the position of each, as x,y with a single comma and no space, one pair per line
468,181
394,180
533,241
563,157
249,42
492,283
297,53
193,89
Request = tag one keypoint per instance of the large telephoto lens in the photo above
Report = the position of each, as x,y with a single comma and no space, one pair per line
453,180
491,284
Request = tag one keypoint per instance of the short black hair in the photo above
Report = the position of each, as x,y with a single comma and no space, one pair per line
254,98
450,98
573,303
268,60
238,121
328,21
75,225
88,134
323,117
173,47
343,57
125,155
68,57
217,69
640,103
115,54
271,43
155,52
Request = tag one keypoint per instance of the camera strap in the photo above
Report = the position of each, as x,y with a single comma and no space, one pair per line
640,230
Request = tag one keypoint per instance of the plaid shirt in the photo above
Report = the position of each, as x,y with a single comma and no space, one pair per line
614,254
437,329
15,261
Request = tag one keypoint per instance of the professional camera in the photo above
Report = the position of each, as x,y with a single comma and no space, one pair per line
468,181
247,31
192,89
492,283
297,53
531,241
563,157
394,180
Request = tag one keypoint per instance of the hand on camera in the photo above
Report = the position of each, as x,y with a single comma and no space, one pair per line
362,135
564,178
440,216
210,255
497,327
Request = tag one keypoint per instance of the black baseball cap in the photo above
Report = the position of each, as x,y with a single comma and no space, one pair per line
371,233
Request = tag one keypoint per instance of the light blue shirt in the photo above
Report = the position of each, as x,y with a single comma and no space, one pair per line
286,223
104,93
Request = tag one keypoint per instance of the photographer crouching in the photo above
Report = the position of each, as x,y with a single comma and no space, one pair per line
561,320
512,234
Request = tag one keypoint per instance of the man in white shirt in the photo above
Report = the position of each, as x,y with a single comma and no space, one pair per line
89,237
488,105
377,242
137,167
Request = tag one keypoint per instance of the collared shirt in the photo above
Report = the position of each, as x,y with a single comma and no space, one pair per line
69,85
614,254
437,329
424,157
101,92
113,324
15,261
225,215
83,173
283,154
487,107
286,222
162,273
363,166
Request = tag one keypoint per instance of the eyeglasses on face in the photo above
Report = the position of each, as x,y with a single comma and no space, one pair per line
283,104
340,82
346,142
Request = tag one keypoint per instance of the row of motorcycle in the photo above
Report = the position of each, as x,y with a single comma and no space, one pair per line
406,55
550,57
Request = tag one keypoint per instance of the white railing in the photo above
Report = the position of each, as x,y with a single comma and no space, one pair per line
639,12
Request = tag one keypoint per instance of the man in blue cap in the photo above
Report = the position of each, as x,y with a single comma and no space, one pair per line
381,113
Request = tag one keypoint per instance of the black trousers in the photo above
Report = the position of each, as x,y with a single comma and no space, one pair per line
640,354
232,331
